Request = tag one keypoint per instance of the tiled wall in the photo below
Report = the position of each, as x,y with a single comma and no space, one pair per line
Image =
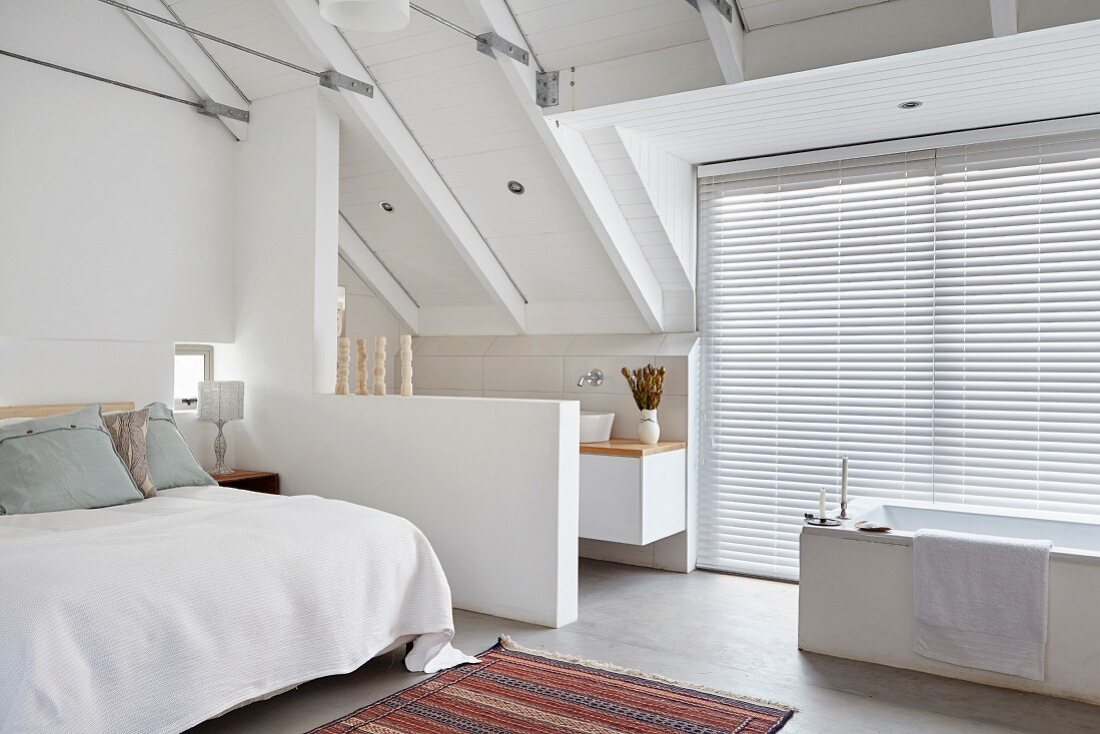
548,367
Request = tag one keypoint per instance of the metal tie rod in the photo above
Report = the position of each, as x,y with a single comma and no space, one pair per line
206,107
487,43
86,75
331,79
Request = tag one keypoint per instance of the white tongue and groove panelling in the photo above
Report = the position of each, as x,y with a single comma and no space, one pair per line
638,182
763,13
669,182
458,105
566,33
996,81
407,239
258,25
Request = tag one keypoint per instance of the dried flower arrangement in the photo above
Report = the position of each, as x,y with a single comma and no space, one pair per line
647,384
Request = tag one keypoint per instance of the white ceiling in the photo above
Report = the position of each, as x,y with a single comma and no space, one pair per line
467,119
256,24
1030,76
565,33
407,239
763,13
460,108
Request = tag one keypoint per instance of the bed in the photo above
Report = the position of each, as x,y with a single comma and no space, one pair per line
156,615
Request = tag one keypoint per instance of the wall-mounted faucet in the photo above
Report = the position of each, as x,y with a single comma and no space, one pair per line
593,378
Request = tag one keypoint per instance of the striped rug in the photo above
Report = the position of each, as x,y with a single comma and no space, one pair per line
519,691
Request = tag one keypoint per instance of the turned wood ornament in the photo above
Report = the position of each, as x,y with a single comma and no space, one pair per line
361,376
380,365
343,356
406,365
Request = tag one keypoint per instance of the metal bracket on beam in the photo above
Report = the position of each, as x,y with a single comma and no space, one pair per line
335,80
489,42
546,88
217,109
724,6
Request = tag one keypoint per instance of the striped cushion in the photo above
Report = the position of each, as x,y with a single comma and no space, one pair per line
128,431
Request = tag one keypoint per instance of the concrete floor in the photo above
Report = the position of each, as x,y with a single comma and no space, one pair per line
733,633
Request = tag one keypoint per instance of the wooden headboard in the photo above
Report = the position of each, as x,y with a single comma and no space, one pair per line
45,411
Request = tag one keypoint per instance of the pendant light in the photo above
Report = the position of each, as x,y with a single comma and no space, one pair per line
376,16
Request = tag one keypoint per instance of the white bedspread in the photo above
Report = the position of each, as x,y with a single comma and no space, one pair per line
155,616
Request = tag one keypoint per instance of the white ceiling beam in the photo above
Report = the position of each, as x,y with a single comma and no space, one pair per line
1004,15
614,231
581,172
189,59
727,38
391,133
370,269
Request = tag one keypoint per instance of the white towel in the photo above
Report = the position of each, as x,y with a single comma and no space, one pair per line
981,601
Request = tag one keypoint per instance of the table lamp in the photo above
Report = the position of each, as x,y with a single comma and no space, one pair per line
221,401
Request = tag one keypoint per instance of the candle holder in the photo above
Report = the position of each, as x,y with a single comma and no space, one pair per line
843,511
821,522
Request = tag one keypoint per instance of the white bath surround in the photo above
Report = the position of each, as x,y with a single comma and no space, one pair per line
855,593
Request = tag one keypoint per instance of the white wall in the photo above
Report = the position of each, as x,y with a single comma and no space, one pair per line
116,213
547,368
47,371
116,206
492,483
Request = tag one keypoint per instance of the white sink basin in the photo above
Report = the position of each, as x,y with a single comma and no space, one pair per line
595,426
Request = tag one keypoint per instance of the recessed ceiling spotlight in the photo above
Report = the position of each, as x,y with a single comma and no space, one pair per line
386,206
516,187
910,105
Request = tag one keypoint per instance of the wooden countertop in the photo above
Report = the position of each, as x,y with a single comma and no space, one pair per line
630,448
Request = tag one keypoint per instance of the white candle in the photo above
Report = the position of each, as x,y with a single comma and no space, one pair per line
821,505
844,481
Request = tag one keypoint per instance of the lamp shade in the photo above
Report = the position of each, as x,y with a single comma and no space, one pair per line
221,400
378,16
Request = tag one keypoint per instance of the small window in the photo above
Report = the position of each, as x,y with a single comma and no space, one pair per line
194,363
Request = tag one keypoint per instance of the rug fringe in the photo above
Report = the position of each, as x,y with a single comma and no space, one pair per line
509,644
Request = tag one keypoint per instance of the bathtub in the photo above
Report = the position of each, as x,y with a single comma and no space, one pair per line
855,591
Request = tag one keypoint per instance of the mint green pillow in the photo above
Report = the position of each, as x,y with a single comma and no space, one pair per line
171,463
64,462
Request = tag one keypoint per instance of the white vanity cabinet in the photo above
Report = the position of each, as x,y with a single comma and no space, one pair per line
632,493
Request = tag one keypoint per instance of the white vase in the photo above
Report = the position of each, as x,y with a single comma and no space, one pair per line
649,430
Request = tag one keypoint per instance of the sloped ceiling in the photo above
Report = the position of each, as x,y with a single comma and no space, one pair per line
256,24
456,103
566,33
459,107
759,14
406,239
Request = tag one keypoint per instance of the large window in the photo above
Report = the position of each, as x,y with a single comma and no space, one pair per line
933,315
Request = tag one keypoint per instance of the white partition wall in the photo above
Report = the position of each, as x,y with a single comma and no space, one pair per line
491,483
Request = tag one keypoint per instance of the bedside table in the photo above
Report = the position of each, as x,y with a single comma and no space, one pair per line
254,481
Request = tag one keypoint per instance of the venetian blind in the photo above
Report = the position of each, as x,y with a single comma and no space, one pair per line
934,316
